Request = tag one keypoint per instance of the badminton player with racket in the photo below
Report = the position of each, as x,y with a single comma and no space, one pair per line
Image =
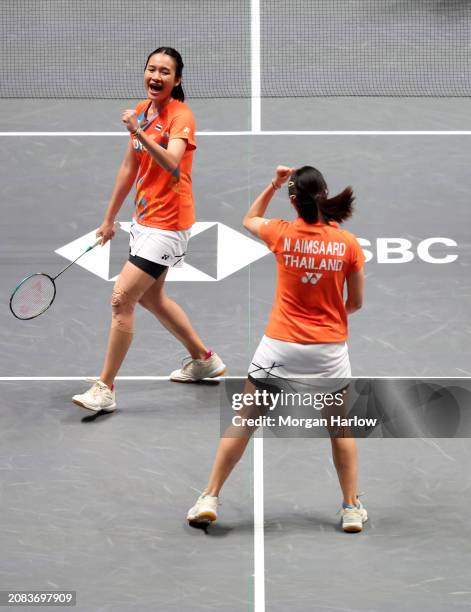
159,161
307,329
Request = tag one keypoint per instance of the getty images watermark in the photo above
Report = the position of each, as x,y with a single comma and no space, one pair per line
264,400
374,407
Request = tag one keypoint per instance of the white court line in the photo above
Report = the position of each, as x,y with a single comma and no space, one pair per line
36,378
255,76
256,126
265,133
219,378
258,520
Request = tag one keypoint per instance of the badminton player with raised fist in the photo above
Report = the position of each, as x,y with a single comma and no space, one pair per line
307,328
158,160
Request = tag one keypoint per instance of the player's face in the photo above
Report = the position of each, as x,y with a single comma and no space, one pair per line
159,77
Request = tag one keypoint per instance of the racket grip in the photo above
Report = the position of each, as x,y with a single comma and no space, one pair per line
97,242
115,227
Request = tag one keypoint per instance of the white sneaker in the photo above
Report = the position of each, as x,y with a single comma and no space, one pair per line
353,518
98,397
204,511
197,369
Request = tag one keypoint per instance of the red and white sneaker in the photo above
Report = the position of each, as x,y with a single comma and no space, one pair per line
197,369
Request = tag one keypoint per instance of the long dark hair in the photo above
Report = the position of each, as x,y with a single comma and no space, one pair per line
309,189
177,92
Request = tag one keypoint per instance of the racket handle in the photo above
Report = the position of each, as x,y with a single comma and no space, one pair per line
97,242
100,238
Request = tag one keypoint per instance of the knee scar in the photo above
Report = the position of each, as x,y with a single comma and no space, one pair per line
122,305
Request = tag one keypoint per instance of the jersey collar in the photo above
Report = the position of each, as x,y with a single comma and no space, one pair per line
301,223
144,124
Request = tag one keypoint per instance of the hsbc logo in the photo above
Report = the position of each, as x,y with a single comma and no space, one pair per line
230,250
234,251
401,250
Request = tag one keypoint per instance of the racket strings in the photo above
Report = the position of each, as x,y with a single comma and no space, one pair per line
33,296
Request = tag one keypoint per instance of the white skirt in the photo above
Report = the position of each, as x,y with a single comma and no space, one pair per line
281,359
165,247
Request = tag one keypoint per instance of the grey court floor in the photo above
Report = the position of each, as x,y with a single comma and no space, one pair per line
98,505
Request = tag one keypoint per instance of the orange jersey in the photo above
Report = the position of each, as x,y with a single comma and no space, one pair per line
163,199
313,260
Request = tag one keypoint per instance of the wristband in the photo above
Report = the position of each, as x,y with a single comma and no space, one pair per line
275,186
136,131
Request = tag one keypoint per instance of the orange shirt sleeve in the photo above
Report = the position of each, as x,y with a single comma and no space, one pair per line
183,126
271,233
357,257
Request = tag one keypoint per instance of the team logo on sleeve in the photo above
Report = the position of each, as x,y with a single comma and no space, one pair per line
186,130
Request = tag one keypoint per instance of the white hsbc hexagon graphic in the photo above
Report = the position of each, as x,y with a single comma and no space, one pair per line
234,252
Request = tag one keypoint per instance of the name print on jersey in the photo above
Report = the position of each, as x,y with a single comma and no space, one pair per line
299,254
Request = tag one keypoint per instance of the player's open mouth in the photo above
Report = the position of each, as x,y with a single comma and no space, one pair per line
155,88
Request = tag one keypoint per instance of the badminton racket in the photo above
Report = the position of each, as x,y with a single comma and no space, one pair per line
35,293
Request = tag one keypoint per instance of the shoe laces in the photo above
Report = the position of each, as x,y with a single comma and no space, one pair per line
98,386
187,362
203,493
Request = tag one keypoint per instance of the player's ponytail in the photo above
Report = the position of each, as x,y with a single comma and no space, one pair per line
308,192
177,92
339,208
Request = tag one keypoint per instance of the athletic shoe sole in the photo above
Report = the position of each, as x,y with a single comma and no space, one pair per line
203,517
355,527
82,405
